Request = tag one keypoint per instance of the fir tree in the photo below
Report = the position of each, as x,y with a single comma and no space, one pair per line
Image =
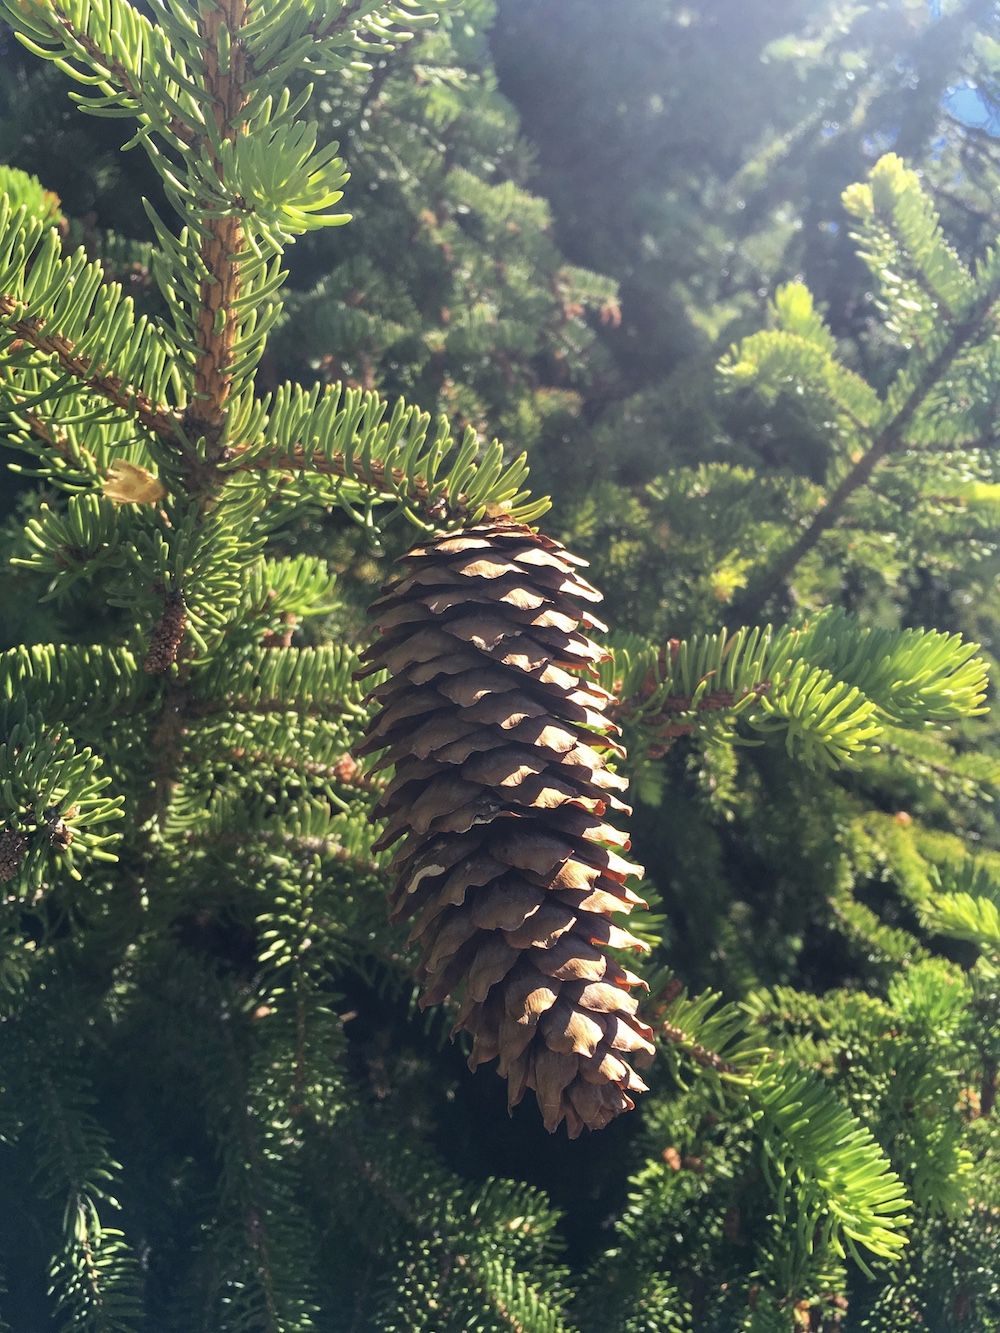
193,878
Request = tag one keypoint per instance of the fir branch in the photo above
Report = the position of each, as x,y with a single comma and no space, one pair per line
247,1181
217,322
43,430
846,1190
888,441
103,60
373,454
508,1294
153,417
166,753
95,683
328,848
383,21
250,838
345,771
375,474
830,686
324,710
696,1051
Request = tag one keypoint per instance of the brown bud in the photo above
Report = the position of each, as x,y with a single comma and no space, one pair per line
346,768
60,833
167,636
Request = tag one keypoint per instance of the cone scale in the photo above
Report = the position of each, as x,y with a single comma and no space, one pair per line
505,863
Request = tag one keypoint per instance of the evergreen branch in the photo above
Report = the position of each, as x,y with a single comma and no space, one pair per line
844,1184
261,707
73,544
887,441
700,1054
166,752
902,234
385,23
102,60
831,686
102,44
965,917
509,1296
309,742
922,278
217,322
878,941
291,680
216,328
64,329
267,1290
772,359
53,799
964,904
345,771
87,373
713,1036
390,482
939,767
351,437
78,39
914,676
351,12
94,683
42,429
893,199
328,849
94,1276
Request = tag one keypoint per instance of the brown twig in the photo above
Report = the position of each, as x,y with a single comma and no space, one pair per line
220,288
700,1054
374,474
988,1087
345,771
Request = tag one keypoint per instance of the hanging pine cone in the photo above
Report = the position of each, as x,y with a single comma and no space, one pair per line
494,722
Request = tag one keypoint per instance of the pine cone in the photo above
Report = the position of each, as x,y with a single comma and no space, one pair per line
494,723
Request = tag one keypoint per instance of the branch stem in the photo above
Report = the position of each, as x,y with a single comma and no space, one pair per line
392,481
158,419
889,440
217,325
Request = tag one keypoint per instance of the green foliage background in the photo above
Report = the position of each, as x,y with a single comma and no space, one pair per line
698,262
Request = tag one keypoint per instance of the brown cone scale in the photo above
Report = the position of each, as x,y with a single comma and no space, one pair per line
494,722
